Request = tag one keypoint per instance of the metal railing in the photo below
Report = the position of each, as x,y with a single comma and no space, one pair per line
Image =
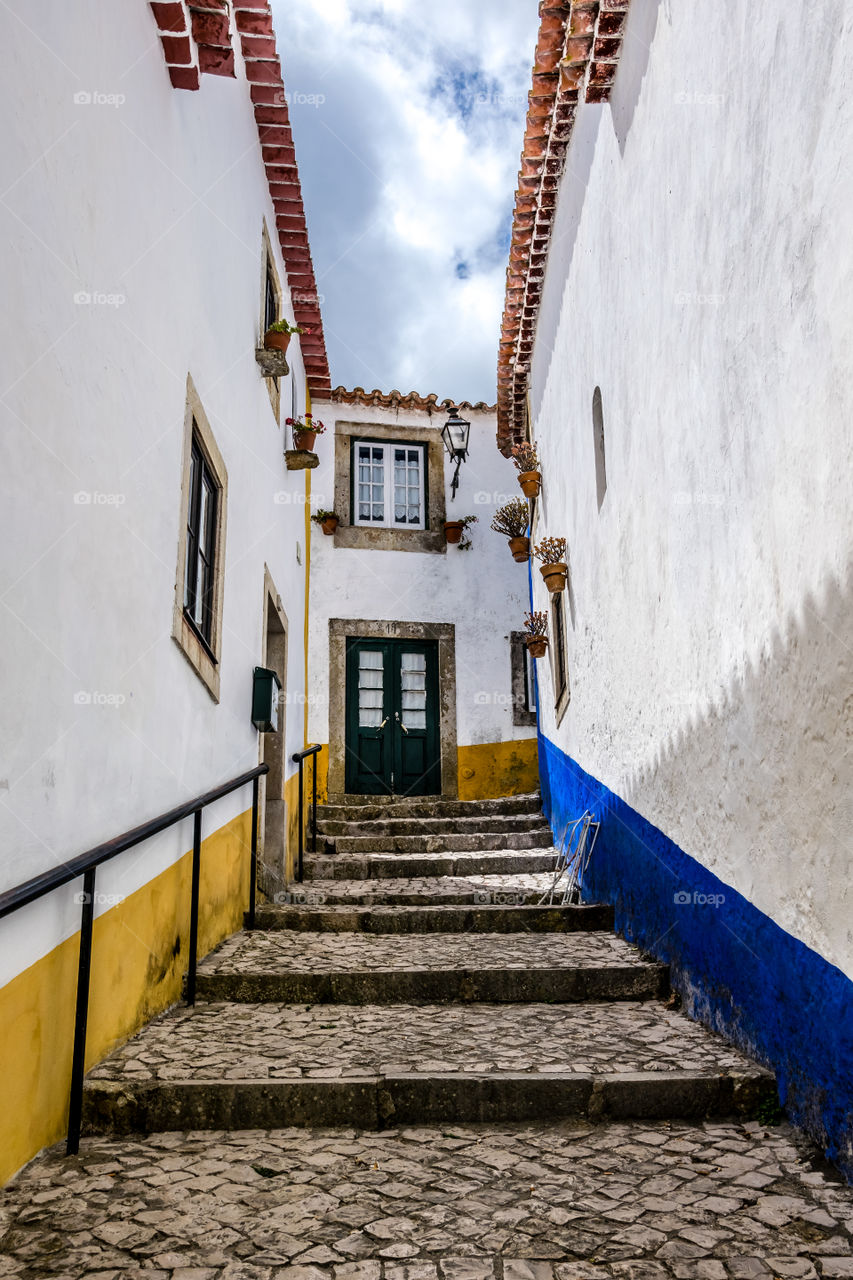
85,865
299,758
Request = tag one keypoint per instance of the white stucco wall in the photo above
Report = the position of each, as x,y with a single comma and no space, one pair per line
700,274
483,592
158,200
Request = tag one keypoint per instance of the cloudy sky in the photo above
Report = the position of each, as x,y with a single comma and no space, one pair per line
408,121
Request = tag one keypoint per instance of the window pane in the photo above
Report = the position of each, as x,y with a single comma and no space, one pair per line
413,662
414,719
370,660
369,718
370,697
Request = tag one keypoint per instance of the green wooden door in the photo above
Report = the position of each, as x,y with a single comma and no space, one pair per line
392,733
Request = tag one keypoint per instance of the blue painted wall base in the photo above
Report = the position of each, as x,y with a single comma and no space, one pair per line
737,971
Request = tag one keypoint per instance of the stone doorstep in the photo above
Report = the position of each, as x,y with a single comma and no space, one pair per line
504,823
373,1102
412,866
436,918
489,842
370,809
438,986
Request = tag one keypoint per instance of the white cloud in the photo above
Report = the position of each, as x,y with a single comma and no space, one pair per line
408,171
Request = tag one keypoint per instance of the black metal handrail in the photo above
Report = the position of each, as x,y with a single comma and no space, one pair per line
85,864
298,758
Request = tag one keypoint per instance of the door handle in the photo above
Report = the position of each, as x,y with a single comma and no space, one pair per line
400,722
383,724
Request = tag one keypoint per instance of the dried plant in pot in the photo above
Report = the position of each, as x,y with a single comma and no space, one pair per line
327,520
305,431
536,633
455,529
553,568
511,520
527,465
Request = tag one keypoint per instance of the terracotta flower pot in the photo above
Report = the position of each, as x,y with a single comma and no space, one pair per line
531,483
453,530
304,439
520,548
329,525
555,577
274,341
537,645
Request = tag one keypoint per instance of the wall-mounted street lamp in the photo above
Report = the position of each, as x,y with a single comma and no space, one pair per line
455,433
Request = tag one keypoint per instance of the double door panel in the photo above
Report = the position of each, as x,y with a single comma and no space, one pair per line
392,743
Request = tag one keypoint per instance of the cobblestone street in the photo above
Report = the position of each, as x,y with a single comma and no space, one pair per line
575,1202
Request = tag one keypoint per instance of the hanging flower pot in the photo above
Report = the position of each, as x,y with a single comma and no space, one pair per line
536,633
520,548
531,483
555,577
453,531
553,568
537,645
511,520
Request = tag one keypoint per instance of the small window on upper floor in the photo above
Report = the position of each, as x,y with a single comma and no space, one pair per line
389,484
271,311
598,443
202,522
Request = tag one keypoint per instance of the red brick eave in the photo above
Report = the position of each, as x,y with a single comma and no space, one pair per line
397,400
197,39
577,52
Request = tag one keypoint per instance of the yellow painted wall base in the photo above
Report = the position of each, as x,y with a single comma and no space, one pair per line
489,770
139,955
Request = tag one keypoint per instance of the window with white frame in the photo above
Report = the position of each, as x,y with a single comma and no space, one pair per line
389,484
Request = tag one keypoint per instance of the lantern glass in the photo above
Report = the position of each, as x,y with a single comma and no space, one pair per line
455,435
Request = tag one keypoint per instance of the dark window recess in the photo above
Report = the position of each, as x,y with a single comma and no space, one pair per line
598,443
199,573
529,680
558,637
270,300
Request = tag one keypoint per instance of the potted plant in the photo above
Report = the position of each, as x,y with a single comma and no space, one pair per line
305,431
327,520
536,633
511,520
454,529
527,466
553,568
278,335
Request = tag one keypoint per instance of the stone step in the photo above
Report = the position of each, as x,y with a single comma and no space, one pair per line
474,842
472,890
501,824
422,865
255,1066
373,807
359,969
440,918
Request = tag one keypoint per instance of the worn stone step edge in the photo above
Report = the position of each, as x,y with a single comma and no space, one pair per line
436,918
411,867
489,841
374,807
506,823
439,986
370,1102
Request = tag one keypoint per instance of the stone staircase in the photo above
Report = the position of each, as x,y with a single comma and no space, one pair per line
412,979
